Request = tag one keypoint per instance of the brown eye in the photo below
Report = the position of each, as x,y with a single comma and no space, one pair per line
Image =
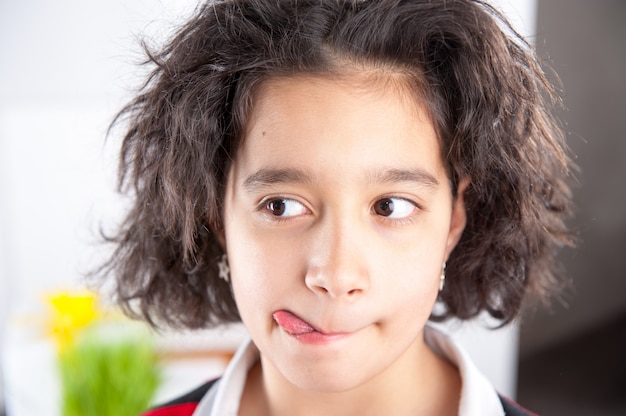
396,208
284,207
384,207
276,207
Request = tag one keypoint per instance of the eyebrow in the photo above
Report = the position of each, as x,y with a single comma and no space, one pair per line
268,177
395,175
264,178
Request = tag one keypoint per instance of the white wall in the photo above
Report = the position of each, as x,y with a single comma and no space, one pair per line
67,66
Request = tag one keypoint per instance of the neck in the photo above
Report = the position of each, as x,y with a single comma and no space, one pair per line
418,383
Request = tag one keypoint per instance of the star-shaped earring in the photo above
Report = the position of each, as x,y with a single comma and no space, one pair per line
224,270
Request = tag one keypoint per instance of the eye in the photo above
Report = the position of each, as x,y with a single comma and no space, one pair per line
285,207
394,208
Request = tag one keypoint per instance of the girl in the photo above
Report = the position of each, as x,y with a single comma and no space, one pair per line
327,171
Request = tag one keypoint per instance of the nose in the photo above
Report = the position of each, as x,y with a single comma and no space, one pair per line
338,267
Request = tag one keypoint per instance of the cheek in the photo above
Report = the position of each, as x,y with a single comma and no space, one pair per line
262,271
409,276
415,289
408,308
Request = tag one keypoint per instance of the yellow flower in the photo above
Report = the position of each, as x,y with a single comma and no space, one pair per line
71,312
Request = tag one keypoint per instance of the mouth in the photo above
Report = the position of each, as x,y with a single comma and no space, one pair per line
302,330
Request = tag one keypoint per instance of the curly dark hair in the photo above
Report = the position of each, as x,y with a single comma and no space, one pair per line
488,97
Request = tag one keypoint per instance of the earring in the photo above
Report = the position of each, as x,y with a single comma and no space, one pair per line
224,270
442,279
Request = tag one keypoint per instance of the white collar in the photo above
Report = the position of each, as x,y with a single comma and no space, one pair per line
478,397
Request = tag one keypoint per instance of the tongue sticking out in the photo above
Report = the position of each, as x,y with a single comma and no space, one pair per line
291,323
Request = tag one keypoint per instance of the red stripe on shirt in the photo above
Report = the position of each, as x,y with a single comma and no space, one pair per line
185,409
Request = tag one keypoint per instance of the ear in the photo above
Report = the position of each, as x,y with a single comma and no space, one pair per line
459,217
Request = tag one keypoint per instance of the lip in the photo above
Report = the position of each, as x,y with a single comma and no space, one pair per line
302,330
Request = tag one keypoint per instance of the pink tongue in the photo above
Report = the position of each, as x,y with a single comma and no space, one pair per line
291,323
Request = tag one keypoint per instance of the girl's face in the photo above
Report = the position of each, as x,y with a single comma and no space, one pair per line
338,217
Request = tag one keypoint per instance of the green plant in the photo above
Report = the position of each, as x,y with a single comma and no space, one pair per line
108,373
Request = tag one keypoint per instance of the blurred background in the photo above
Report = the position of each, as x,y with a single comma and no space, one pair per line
573,358
68,66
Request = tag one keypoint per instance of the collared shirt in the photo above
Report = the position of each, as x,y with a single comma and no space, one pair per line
478,397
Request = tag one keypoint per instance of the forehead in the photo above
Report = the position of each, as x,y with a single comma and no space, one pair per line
339,125
359,79
344,91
